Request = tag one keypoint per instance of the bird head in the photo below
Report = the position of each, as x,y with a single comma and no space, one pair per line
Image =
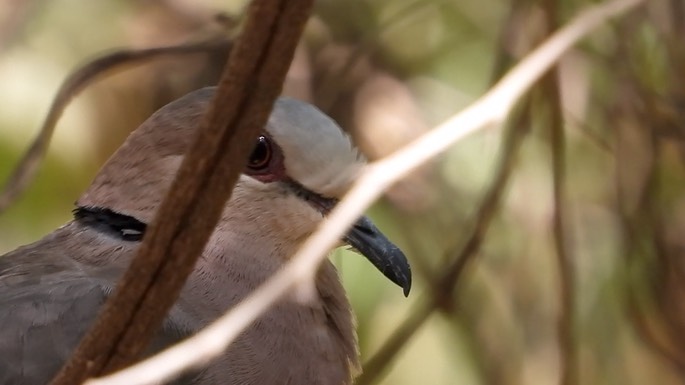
301,164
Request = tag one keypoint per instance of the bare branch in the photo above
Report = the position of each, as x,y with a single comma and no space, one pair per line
568,355
251,81
443,285
565,332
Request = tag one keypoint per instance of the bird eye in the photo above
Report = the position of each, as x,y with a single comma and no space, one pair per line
266,161
261,155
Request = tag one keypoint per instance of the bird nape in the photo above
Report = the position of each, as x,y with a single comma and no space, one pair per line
51,290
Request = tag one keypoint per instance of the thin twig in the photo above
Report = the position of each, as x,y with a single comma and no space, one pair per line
568,355
251,81
98,68
488,111
566,330
444,284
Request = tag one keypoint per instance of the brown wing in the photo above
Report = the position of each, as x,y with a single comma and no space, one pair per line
46,305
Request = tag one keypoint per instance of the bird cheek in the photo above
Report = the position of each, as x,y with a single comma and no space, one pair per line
296,217
277,211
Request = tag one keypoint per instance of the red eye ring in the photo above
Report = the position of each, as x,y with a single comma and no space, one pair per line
266,161
261,155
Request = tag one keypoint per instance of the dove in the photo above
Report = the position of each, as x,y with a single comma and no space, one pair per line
301,165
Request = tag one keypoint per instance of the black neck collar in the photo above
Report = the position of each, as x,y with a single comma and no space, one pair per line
106,221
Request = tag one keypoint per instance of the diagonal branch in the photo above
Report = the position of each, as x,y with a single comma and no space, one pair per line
251,81
444,283
489,110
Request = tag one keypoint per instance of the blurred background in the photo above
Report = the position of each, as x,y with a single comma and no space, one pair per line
548,250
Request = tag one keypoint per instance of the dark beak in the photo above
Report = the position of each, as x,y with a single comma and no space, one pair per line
388,258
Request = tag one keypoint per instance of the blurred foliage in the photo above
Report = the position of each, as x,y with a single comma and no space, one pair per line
479,223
